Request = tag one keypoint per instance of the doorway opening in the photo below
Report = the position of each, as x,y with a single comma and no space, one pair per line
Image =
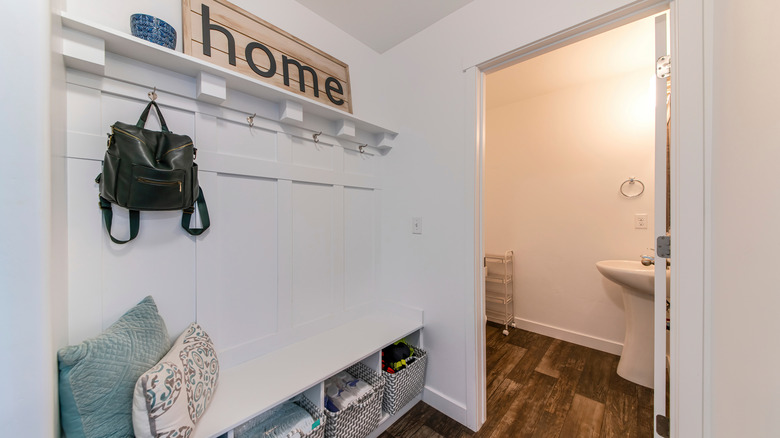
569,178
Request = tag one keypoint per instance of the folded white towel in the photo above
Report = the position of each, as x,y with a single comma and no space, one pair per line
343,389
287,420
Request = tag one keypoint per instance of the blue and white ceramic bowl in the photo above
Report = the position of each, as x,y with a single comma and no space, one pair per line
153,29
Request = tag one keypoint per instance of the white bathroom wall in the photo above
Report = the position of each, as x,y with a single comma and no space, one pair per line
745,212
553,166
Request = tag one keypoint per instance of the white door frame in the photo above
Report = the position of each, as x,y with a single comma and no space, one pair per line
690,213
661,40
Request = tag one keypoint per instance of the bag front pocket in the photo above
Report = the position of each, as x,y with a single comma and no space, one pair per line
154,189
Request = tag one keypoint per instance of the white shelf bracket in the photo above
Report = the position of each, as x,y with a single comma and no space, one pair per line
384,142
345,128
290,112
84,52
211,88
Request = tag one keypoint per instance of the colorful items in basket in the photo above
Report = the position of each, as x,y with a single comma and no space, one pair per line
342,390
288,420
397,356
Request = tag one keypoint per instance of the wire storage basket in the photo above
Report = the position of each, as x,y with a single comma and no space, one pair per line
404,385
362,416
249,429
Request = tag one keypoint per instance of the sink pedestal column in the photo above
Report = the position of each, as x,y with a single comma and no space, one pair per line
636,360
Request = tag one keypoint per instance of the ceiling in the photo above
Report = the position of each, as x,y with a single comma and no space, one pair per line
383,24
622,50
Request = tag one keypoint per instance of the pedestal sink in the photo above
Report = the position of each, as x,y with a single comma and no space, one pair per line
638,284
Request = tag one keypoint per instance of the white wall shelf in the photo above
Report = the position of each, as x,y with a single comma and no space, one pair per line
253,387
140,50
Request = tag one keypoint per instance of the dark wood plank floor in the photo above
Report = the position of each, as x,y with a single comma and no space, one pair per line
540,387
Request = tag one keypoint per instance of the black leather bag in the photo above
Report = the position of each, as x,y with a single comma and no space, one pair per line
150,170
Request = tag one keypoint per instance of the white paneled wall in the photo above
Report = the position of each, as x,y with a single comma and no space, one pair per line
360,247
306,153
234,140
238,294
293,240
313,252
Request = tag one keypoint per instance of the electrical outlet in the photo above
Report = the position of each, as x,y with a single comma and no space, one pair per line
416,225
640,221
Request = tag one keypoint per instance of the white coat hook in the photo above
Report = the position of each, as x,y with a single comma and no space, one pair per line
362,148
152,94
316,137
251,120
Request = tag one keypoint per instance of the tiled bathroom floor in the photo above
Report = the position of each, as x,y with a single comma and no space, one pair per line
543,387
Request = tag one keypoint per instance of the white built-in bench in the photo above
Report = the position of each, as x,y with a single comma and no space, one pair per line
253,387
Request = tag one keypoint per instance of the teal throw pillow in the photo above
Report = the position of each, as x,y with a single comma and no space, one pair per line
97,377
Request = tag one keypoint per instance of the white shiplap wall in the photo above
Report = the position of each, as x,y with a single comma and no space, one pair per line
293,245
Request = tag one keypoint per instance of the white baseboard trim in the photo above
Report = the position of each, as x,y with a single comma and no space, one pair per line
445,405
570,336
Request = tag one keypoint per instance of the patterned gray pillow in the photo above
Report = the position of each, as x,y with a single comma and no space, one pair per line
171,397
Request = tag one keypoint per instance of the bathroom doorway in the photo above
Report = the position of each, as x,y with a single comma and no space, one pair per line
570,178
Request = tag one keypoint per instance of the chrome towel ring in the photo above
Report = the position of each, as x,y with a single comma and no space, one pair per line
630,181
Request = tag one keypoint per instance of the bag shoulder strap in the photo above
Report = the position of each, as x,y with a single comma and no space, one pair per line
144,115
203,212
108,216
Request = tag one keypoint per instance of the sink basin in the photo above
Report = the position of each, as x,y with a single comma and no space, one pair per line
630,273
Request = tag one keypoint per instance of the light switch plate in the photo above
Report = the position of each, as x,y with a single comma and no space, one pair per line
416,225
640,221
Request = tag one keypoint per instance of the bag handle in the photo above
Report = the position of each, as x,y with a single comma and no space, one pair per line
203,212
108,216
135,218
142,120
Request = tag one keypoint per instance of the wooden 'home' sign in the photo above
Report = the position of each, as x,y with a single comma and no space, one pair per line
226,35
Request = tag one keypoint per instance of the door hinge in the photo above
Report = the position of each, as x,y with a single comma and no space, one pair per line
663,67
664,247
662,425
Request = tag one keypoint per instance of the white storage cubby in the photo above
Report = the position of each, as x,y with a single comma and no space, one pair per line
249,389
499,290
